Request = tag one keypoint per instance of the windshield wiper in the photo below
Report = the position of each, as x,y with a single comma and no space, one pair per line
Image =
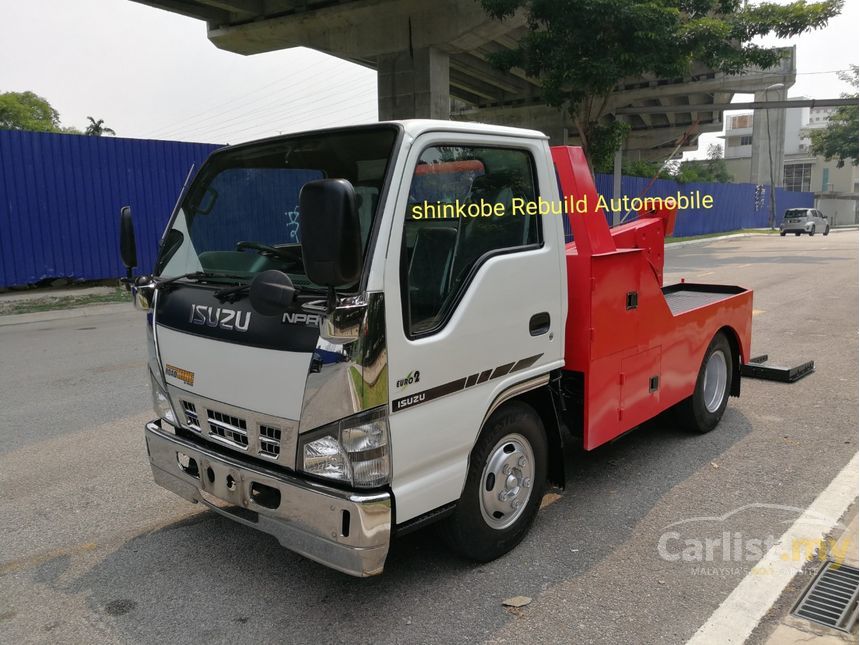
201,275
229,293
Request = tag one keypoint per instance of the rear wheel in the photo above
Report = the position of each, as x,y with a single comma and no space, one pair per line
703,411
797,234
782,233
504,485
812,232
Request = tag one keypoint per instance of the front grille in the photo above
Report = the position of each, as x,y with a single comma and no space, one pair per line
191,418
271,438
270,441
228,428
831,599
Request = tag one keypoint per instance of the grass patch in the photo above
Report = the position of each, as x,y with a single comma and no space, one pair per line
744,231
52,303
370,395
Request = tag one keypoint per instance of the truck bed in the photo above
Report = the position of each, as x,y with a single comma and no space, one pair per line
685,296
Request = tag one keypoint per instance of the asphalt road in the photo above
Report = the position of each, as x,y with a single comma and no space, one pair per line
91,550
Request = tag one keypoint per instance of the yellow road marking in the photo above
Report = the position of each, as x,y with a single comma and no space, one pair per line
34,561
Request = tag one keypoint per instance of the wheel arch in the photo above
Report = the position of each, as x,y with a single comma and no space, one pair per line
734,342
536,393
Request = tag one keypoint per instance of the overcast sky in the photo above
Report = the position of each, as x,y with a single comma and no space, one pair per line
154,74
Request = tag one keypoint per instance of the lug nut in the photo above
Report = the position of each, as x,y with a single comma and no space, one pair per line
527,482
515,504
506,469
522,462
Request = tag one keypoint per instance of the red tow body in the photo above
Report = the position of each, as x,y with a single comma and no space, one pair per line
638,344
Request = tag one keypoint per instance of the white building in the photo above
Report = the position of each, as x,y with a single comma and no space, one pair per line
836,189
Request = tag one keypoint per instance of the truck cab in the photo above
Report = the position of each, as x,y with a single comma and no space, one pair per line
357,332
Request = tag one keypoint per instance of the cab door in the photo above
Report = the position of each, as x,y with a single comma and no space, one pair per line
474,301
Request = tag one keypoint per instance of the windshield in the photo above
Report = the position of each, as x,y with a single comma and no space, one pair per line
241,214
796,213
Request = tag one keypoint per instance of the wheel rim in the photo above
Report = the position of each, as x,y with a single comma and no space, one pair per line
507,481
714,385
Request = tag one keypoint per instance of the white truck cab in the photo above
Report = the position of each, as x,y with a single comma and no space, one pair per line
355,332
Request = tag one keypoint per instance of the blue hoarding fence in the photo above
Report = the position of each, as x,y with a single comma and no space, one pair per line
734,206
60,196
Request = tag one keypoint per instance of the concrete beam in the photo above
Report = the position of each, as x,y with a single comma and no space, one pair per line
481,69
365,28
748,105
190,9
242,8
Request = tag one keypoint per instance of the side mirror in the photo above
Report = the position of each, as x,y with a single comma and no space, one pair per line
330,232
127,246
271,292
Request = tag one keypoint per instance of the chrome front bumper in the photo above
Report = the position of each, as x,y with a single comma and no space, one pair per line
344,530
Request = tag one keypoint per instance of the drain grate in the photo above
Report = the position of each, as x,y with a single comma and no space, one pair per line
831,598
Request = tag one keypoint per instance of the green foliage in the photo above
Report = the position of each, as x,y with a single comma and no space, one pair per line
710,170
96,128
581,49
838,140
27,111
703,171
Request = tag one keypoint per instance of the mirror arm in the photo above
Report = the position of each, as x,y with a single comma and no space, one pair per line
331,301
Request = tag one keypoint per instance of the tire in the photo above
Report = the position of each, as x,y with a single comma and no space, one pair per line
797,234
782,233
702,412
483,525
812,232
826,231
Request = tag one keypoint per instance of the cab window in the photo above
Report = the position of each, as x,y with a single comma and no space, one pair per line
466,204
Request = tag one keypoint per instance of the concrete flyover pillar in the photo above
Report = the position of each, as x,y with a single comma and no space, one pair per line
768,139
413,84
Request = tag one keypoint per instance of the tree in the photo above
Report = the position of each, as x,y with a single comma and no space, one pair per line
97,128
581,50
838,140
710,170
27,111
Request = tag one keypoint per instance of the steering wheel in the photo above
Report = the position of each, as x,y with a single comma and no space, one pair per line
257,246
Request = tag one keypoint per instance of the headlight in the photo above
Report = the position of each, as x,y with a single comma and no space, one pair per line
353,450
160,401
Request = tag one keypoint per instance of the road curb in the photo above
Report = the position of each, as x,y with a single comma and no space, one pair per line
704,240
63,314
733,235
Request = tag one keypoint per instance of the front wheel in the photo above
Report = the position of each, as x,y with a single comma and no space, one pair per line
702,412
826,231
782,233
504,485
797,234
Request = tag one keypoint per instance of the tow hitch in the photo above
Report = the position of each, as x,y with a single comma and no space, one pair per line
758,368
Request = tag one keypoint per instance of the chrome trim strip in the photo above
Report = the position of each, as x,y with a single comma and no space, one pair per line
515,390
309,518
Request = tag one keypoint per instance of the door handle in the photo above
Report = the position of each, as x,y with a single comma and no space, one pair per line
539,323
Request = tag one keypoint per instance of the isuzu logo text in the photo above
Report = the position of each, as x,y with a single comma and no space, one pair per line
219,317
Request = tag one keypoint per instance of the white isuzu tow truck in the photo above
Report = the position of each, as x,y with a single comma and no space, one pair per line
356,332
